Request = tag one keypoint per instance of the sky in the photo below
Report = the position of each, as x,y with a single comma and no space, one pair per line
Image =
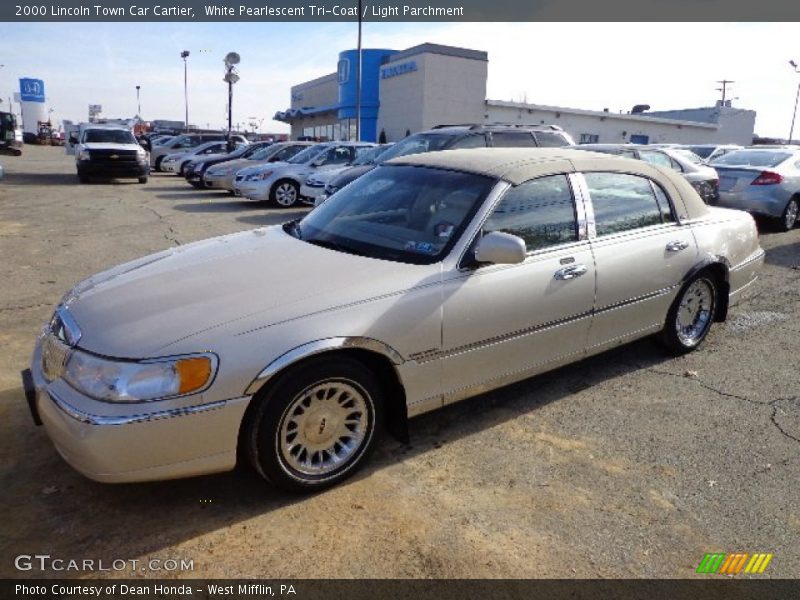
578,65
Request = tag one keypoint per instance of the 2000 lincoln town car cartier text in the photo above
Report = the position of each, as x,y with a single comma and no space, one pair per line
430,279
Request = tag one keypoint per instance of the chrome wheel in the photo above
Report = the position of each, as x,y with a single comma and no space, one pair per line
285,194
790,214
695,312
324,427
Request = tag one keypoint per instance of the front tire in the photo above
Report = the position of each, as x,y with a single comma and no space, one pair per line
790,214
690,317
158,163
143,179
285,194
317,425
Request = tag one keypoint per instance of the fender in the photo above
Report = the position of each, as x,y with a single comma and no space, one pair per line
708,261
318,347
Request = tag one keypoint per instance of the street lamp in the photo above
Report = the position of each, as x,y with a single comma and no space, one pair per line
138,103
184,56
796,98
231,60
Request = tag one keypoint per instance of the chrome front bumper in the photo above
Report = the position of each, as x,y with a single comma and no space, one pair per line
113,442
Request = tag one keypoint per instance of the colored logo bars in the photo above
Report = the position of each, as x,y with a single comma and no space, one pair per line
732,564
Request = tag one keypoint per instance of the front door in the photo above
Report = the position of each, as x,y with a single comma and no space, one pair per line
506,322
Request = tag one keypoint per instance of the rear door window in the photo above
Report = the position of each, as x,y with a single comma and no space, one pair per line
512,139
470,141
623,202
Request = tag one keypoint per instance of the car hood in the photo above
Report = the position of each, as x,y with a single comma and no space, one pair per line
109,146
263,167
349,174
233,164
232,283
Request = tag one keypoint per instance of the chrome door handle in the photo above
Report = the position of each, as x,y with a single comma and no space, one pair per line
571,272
677,246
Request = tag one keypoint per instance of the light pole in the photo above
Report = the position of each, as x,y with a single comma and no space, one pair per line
231,60
138,103
796,98
184,56
358,79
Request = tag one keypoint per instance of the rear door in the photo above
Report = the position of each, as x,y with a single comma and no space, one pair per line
642,253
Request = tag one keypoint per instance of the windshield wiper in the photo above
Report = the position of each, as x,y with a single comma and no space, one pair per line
334,246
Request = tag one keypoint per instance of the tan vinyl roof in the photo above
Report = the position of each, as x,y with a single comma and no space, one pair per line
517,165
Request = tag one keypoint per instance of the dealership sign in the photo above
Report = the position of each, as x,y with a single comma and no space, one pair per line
396,70
31,90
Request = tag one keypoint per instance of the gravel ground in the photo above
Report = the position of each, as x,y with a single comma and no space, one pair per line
628,464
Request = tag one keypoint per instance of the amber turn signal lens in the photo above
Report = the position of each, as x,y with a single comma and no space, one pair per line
193,373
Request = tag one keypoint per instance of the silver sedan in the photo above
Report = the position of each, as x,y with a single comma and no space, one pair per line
430,279
762,181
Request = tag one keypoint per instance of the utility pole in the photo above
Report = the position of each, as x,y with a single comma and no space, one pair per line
724,88
796,98
358,79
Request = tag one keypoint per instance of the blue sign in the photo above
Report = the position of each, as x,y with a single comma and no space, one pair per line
398,69
31,90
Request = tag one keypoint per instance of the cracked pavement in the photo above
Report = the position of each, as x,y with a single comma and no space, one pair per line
628,464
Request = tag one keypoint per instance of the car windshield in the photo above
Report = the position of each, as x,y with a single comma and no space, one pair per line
701,151
162,141
686,154
110,136
309,154
244,151
401,213
264,152
417,143
752,158
366,156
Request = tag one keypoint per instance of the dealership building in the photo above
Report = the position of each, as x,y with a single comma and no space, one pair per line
411,90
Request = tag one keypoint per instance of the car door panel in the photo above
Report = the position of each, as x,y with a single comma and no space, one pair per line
641,253
506,320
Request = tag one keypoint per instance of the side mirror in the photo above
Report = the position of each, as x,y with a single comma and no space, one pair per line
501,249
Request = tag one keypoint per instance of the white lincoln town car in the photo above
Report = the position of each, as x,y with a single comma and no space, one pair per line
432,278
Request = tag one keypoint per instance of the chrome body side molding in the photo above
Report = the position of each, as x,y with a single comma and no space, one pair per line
318,347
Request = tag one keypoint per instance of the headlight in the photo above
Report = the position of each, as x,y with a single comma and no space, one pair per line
84,155
264,175
313,181
331,190
141,153
137,381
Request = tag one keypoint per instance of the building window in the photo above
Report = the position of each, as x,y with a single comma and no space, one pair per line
589,138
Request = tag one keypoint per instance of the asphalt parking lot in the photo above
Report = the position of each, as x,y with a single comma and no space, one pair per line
629,464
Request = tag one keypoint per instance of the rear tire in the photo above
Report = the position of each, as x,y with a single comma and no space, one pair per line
790,214
316,425
690,317
142,179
